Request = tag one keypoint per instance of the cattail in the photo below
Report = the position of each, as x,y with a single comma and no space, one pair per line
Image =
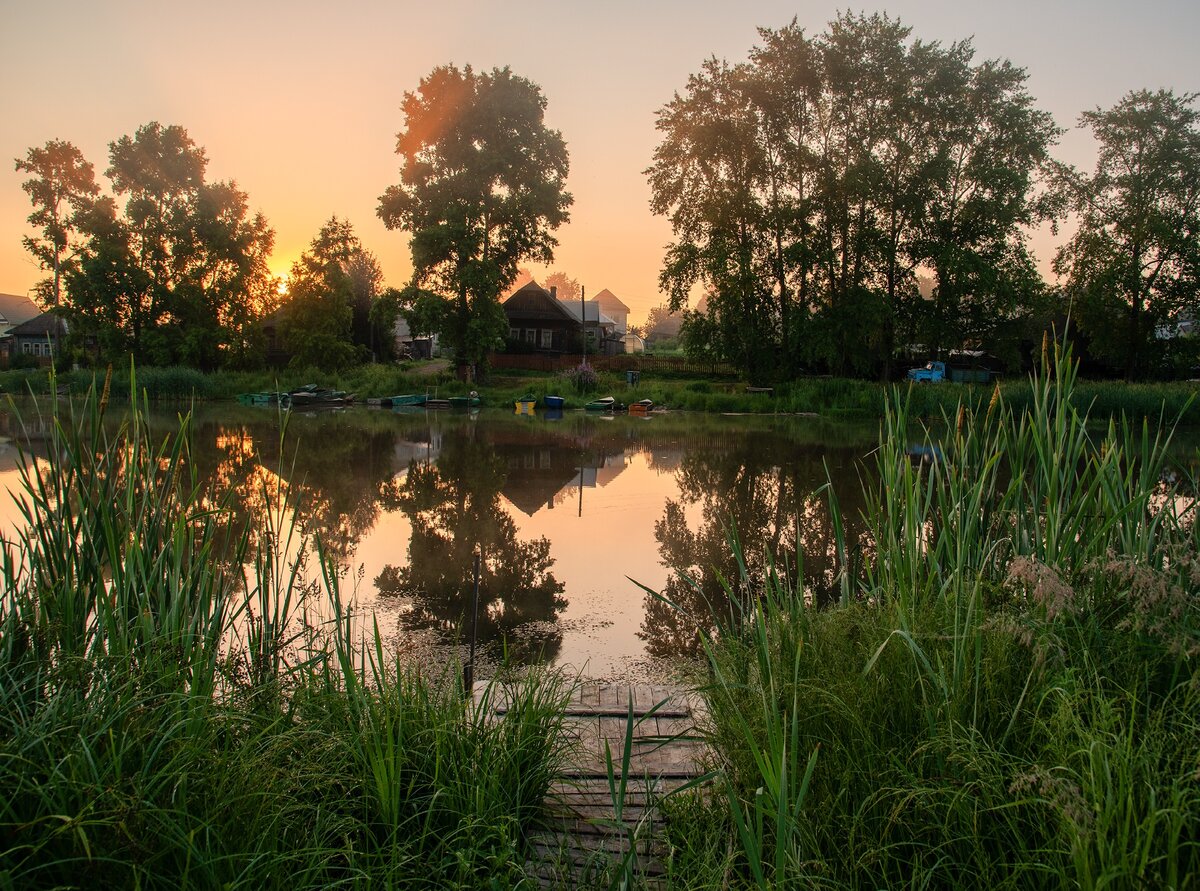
1045,349
958,422
107,386
995,400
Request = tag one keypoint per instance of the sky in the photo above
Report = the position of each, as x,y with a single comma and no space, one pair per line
299,102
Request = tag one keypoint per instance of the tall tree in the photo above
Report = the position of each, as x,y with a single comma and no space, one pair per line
481,190
61,186
178,272
809,186
707,177
1133,265
323,292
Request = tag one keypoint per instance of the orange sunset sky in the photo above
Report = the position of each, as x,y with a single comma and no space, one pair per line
299,102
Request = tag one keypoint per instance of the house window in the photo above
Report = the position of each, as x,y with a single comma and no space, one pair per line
591,335
531,335
547,338
26,348
514,333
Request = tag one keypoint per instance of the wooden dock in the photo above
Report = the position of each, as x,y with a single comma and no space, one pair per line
596,828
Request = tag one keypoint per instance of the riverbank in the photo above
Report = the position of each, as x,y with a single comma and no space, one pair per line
182,705
1005,687
829,397
1007,695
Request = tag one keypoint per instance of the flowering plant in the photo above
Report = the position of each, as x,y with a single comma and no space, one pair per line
582,377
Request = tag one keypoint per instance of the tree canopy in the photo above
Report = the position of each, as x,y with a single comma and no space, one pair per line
808,186
330,319
62,186
1133,265
482,188
171,268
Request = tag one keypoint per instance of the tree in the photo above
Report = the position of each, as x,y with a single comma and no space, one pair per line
1133,265
481,190
566,288
661,322
425,311
318,329
61,187
178,272
809,186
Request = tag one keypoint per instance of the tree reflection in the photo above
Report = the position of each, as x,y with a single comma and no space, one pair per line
454,507
328,468
762,491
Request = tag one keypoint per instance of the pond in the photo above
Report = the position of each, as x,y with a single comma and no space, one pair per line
577,518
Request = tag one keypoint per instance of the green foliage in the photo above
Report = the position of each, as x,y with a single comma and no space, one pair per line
170,718
1131,266
1008,689
61,187
325,289
481,190
172,269
807,186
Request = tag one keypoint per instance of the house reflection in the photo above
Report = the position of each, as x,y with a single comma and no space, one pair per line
549,471
453,505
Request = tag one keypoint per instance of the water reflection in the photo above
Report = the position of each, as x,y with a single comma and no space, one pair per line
454,507
564,509
765,492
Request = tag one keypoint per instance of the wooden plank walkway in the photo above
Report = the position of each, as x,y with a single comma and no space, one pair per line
593,831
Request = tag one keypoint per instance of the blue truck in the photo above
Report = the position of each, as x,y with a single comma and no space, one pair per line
936,372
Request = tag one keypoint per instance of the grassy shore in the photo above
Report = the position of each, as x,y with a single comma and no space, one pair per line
173,716
829,397
1008,695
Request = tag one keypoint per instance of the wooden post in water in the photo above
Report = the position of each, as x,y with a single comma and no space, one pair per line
469,670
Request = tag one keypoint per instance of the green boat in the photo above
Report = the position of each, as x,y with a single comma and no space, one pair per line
464,401
605,403
258,398
410,399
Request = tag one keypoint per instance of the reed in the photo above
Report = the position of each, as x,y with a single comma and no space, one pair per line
172,715
1009,689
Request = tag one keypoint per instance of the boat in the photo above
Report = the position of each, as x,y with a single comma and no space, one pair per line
258,398
554,401
471,401
641,407
604,403
526,404
409,399
312,396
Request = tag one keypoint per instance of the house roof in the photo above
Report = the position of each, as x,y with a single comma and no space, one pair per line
40,326
532,301
15,309
593,312
610,301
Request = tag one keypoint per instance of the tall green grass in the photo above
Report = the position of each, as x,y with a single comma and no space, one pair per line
172,715
1008,695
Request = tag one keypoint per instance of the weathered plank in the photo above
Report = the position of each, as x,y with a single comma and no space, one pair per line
583,837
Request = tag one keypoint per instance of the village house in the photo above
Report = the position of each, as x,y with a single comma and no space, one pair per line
15,311
538,321
39,337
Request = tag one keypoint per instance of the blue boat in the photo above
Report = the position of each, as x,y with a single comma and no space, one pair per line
554,402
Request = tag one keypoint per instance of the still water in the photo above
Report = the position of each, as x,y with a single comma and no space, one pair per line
575,517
